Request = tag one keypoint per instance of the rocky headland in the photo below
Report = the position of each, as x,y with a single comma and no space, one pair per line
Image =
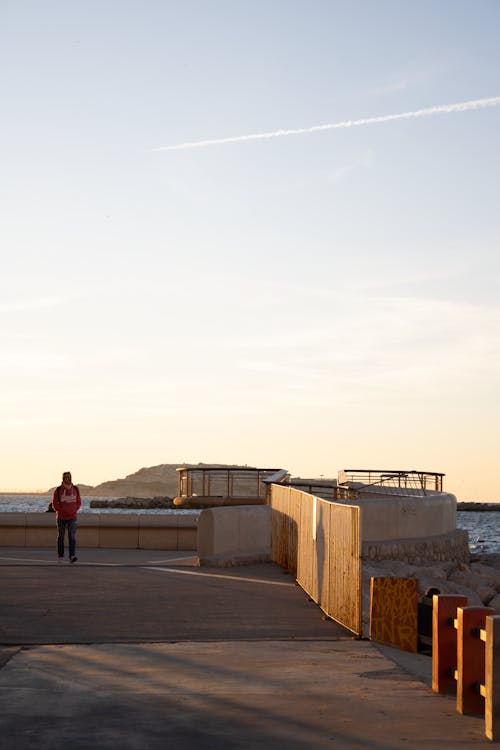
149,482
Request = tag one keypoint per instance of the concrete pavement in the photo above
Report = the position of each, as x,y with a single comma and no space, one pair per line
139,649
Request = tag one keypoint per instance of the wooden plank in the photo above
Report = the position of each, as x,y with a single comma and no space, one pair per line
492,678
393,612
322,539
444,641
470,658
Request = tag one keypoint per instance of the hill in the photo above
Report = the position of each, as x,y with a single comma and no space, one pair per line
152,481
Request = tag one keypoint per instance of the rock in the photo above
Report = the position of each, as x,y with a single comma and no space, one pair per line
439,571
133,503
495,603
487,573
476,506
479,581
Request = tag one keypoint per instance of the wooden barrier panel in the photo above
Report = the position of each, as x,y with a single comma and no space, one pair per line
320,540
470,658
284,527
492,678
444,641
393,612
345,573
306,551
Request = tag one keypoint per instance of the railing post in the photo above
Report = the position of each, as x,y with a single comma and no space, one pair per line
444,641
492,678
470,658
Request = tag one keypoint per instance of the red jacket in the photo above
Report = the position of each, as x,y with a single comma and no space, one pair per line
66,502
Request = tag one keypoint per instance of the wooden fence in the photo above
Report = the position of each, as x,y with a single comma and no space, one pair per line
319,541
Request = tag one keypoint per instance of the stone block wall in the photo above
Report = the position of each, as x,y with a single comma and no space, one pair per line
452,547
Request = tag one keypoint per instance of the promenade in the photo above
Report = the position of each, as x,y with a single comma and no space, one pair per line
140,649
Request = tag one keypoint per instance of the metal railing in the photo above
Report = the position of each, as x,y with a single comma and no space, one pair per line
395,480
326,489
225,481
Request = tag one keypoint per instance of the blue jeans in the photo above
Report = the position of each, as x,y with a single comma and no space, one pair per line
61,528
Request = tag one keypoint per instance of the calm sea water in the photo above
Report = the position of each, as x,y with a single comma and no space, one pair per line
39,503
483,528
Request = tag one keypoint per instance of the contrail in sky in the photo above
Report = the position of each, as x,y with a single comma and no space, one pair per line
441,109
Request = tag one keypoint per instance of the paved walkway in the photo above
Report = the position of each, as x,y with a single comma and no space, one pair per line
140,649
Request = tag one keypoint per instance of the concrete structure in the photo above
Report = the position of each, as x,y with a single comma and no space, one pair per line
172,531
411,528
406,516
407,527
234,536
214,486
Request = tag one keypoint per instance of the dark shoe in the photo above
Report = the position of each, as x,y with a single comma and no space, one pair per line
73,559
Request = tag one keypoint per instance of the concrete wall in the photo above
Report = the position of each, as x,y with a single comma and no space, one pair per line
106,530
233,536
413,529
388,517
452,547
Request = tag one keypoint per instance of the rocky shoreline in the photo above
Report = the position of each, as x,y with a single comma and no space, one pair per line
478,580
135,503
478,506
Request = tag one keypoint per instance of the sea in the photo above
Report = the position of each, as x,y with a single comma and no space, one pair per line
483,526
19,503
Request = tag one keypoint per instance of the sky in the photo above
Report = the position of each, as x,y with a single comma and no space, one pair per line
319,300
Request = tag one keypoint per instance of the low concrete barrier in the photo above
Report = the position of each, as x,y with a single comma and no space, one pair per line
173,531
234,536
415,530
452,547
385,517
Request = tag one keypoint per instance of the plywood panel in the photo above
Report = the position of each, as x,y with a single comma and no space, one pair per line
393,616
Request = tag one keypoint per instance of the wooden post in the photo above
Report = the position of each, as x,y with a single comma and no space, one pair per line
470,658
444,641
492,678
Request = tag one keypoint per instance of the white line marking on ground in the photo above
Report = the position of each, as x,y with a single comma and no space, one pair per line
172,559
28,560
219,575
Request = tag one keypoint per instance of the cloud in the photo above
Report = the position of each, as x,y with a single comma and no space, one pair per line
388,348
429,111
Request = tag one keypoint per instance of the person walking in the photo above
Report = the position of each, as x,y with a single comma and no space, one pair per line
66,502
